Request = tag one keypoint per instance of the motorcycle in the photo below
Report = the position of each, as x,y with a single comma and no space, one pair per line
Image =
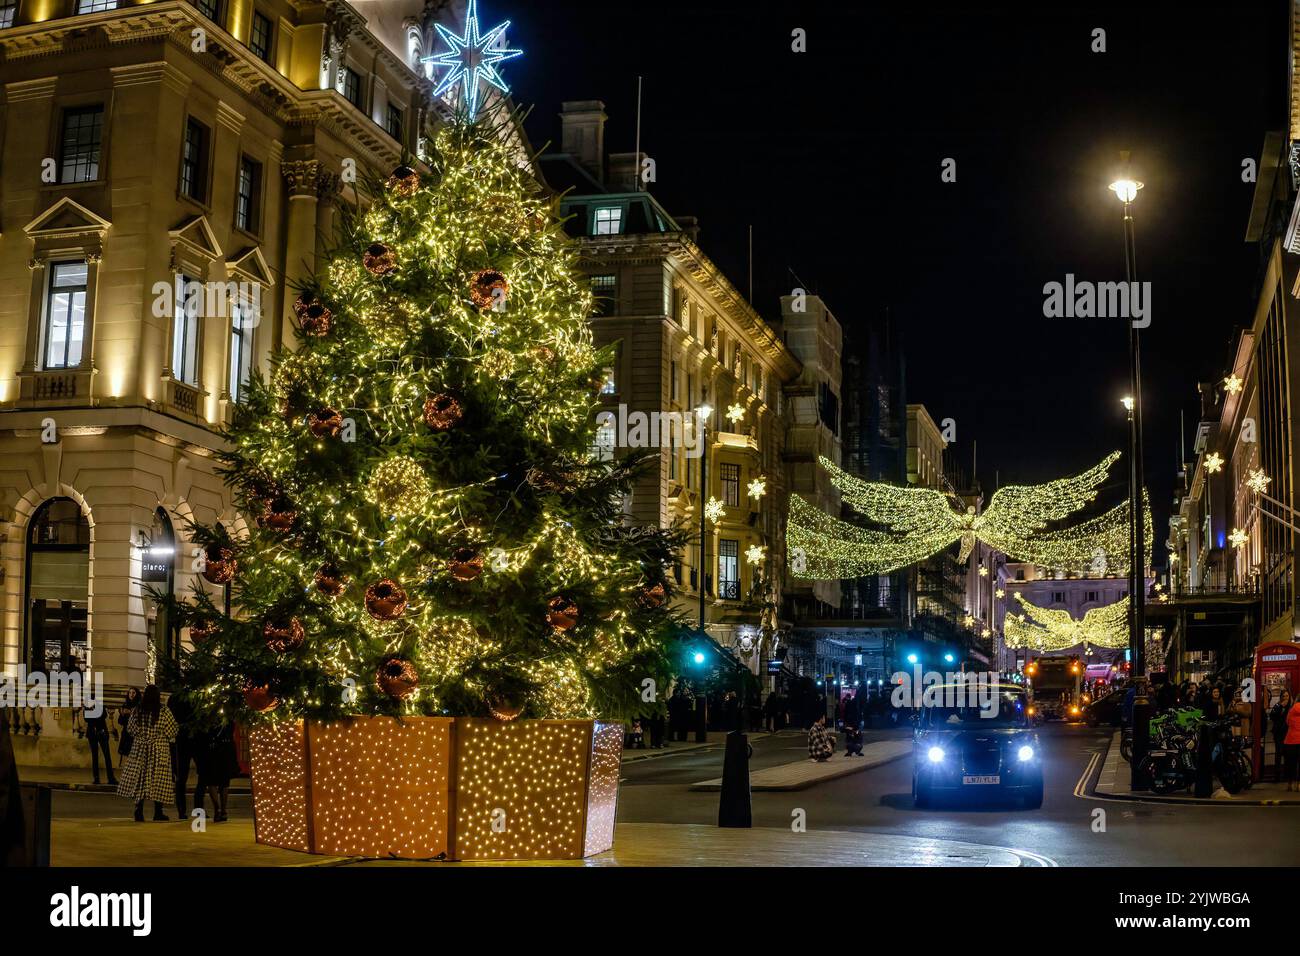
1228,755
1170,760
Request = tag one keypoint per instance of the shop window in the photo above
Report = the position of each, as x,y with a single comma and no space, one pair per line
57,578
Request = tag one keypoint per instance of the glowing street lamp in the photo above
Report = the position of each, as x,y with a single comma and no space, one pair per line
1126,189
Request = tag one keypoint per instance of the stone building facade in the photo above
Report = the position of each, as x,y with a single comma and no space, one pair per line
147,148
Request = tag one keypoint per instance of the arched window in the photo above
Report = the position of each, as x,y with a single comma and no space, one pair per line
159,573
57,588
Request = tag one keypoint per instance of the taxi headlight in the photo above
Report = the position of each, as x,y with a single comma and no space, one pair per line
1025,753
935,754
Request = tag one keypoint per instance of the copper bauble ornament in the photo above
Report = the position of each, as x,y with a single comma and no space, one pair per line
561,613
379,259
316,319
279,514
325,423
651,597
404,181
442,412
201,631
544,354
385,600
283,636
329,580
487,287
260,699
505,705
466,564
304,301
219,564
397,677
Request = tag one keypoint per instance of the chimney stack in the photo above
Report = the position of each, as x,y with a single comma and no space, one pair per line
624,168
582,124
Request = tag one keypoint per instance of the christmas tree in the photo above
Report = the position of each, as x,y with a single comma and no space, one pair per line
429,530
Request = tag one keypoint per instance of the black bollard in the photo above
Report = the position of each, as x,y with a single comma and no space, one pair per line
734,803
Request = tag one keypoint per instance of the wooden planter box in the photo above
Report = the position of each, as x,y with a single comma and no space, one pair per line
447,788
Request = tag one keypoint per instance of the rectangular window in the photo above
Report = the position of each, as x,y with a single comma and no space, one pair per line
247,194
95,6
609,221
185,330
602,448
729,569
209,9
604,288
8,13
194,160
730,484
609,386
1092,596
393,122
83,130
242,323
672,381
1058,597
351,86
65,314
672,455
259,37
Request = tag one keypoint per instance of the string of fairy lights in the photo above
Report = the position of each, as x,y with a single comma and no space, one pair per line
902,525
461,329
1055,629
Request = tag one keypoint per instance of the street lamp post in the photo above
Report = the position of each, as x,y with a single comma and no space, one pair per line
1126,191
702,418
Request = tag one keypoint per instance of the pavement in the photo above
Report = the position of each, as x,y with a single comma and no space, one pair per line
79,778
800,774
96,843
1115,781
714,738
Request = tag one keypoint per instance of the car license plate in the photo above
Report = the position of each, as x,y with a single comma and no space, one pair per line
981,778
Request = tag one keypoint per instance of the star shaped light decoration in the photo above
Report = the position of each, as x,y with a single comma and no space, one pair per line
714,510
1232,384
755,554
758,487
984,572
999,593
471,59
1238,538
969,620
1214,462
1258,481
735,413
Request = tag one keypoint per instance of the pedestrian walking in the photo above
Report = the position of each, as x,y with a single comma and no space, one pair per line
122,718
218,763
147,771
188,748
13,830
1277,724
821,743
97,737
1291,746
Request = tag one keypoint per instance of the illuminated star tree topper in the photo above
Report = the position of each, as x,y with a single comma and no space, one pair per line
471,59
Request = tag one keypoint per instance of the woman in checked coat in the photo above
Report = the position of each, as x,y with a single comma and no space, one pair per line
146,773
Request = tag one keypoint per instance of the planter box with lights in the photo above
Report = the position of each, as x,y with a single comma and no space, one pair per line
437,787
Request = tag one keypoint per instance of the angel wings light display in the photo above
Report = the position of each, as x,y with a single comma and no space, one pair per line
902,525
1053,629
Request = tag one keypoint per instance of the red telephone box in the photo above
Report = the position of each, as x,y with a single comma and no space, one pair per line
1277,668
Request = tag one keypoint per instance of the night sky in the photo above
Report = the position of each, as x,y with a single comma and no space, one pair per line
834,157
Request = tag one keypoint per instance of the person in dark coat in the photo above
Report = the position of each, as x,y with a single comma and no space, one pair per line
189,746
1277,725
1166,696
97,738
218,762
13,828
